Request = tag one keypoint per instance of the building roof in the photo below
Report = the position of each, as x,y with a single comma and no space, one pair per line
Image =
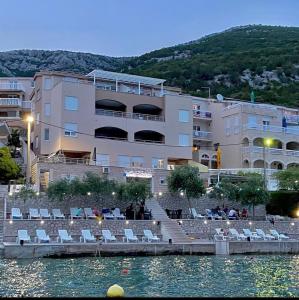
125,77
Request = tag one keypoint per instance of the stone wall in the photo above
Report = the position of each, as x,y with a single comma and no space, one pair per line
206,229
51,227
202,203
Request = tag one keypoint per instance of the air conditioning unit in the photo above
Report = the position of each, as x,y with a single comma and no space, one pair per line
106,170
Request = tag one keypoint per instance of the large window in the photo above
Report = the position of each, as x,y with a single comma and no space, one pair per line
157,163
70,129
47,134
47,83
184,140
137,161
71,103
47,109
102,159
184,115
123,161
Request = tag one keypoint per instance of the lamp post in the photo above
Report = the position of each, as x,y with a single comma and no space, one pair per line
266,142
29,120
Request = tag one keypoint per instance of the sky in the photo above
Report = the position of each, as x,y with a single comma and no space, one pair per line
130,27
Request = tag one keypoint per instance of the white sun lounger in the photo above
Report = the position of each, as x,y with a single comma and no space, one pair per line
44,213
148,235
107,236
195,214
41,236
74,211
23,236
279,236
253,236
33,213
63,236
129,236
57,214
118,215
88,213
235,234
16,213
219,236
86,236
265,236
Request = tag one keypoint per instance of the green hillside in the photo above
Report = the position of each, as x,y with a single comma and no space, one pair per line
232,63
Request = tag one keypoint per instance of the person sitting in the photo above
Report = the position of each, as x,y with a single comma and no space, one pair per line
225,210
232,214
238,213
96,212
244,213
218,210
130,212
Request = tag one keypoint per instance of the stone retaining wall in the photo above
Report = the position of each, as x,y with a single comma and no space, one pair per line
198,228
51,227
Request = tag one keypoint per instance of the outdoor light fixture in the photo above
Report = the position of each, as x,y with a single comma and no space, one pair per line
293,224
88,193
127,222
113,193
100,222
10,193
180,222
154,222
160,193
205,221
250,223
268,142
42,221
37,193
182,193
72,222
297,213
10,222
228,222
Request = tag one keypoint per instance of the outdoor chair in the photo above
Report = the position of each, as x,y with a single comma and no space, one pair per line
23,236
251,235
33,213
265,236
235,234
219,236
41,236
76,213
89,214
63,236
16,213
86,236
57,214
148,235
44,213
107,236
129,236
118,215
195,214
279,236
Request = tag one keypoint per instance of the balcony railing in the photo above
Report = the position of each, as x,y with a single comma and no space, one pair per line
292,119
202,135
129,115
11,86
10,102
271,128
274,151
149,141
200,114
63,160
26,104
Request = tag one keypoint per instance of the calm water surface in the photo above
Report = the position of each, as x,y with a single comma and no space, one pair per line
175,276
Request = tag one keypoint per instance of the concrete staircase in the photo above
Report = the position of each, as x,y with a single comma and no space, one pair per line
170,228
3,194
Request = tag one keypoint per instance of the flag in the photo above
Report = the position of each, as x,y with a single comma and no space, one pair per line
252,97
218,158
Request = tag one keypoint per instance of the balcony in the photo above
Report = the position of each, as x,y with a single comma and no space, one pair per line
12,86
202,135
129,115
11,102
270,128
294,119
26,104
201,114
274,151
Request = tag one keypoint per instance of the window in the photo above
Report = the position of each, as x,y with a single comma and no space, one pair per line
47,134
163,181
252,123
227,126
70,129
47,109
32,83
70,103
157,163
123,161
184,116
37,118
236,125
47,83
36,142
102,159
184,140
137,161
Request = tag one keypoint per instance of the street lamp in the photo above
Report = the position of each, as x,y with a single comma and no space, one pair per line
266,142
29,120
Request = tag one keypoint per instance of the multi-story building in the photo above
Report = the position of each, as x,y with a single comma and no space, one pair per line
129,125
14,100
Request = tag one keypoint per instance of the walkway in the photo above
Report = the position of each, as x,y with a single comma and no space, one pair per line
170,228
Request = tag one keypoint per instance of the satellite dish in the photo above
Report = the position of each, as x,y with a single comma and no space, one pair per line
219,97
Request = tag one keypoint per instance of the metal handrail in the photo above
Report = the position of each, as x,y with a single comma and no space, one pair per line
271,128
10,102
202,134
202,114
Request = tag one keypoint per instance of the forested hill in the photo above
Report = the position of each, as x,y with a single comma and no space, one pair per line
234,62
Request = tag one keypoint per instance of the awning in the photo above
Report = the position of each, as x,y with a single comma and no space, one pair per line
202,168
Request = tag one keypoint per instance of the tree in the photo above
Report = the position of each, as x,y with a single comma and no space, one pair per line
9,169
13,140
58,189
186,179
252,192
288,179
26,193
135,191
